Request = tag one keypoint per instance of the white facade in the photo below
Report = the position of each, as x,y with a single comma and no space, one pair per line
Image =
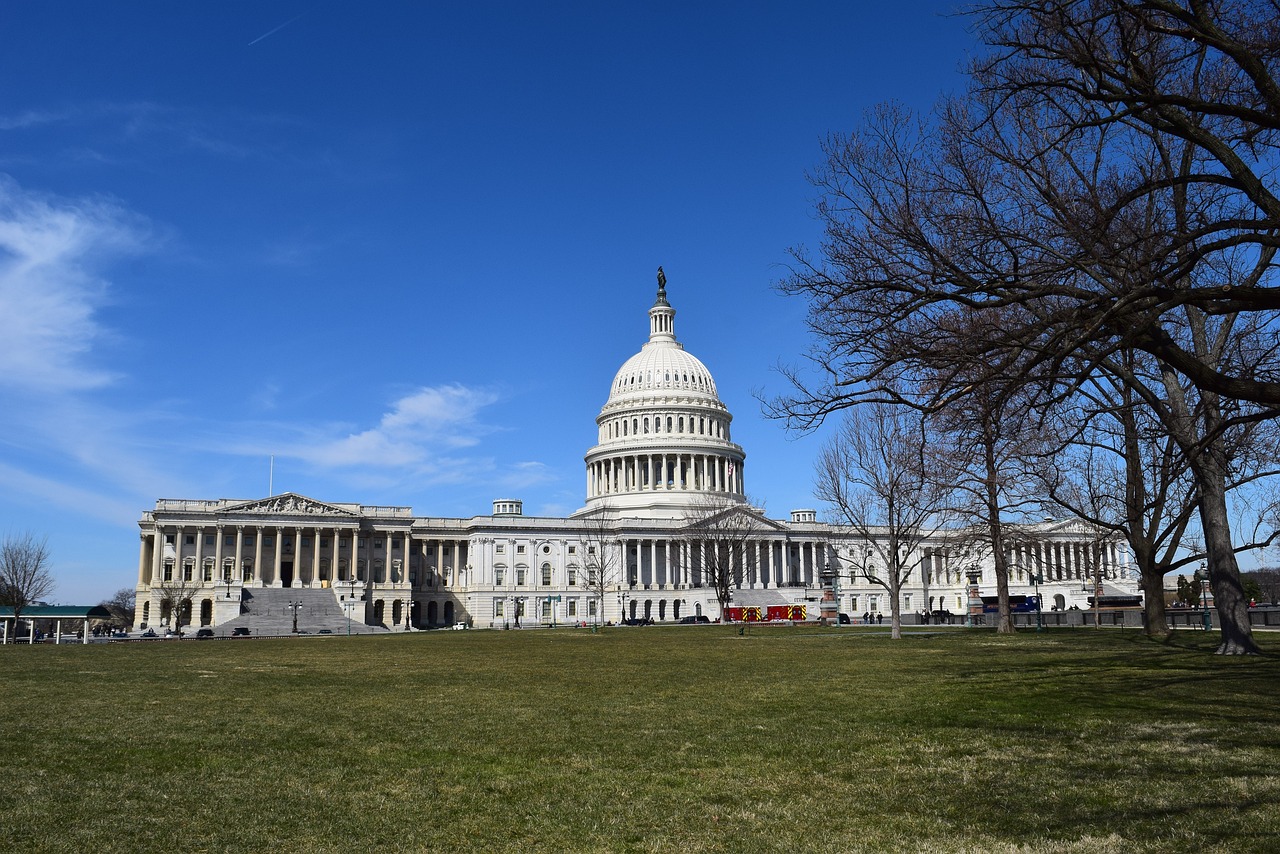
663,450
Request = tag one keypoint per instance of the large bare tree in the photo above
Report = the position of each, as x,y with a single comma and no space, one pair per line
25,574
716,531
122,606
880,475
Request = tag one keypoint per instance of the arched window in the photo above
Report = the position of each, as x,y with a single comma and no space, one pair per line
668,423
681,423
546,575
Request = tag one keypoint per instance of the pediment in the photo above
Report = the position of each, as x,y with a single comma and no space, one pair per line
289,504
747,517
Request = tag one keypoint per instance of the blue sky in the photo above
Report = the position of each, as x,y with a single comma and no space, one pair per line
402,247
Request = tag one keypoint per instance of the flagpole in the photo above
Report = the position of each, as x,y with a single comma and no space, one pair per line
271,477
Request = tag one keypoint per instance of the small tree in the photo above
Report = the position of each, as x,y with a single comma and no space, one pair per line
878,475
122,607
717,529
24,572
602,558
175,598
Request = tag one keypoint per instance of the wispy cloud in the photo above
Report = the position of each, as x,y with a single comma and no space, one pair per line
50,248
421,429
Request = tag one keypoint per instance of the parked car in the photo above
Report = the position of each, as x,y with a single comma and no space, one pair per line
459,626
240,632
845,620
635,621
694,619
204,634
150,633
325,632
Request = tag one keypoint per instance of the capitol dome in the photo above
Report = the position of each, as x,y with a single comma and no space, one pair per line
664,435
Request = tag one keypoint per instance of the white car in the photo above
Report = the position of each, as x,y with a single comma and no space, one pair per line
459,626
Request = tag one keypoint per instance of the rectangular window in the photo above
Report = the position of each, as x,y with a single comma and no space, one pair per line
500,549
395,544
364,542
208,570
546,576
906,601
168,572
500,576
519,550
546,609
573,608
230,541
168,538
306,541
591,576
191,539
591,607
208,539
573,550
573,576
377,544
520,578
324,542
499,608
853,603
188,570
591,550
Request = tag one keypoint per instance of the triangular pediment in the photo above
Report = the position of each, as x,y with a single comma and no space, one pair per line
748,516
289,504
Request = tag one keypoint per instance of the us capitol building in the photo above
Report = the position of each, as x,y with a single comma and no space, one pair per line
664,459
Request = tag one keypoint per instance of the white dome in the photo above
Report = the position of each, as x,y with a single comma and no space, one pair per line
663,441
661,366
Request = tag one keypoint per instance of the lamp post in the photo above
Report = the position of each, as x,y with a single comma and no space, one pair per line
1202,575
1037,579
294,606
555,606
349,607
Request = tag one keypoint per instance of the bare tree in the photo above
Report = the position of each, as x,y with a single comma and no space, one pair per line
25,575
879,474
122,606
602,561
713,540
176,595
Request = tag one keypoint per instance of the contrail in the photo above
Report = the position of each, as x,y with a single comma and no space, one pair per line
278,29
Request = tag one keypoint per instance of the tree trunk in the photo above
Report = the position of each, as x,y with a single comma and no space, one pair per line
1004,624
1154,622
1224,574
895,608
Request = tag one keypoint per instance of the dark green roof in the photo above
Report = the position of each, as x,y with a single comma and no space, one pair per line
56,612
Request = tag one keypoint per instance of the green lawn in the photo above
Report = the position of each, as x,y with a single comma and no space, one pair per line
651,739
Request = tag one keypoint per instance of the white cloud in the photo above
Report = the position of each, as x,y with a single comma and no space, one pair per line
414,433
49,248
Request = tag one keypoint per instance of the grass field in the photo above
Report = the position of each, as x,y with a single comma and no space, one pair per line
652,739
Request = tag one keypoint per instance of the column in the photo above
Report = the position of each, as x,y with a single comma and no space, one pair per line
157,553
653,562
235,568
142,559
199,555
315,558
276,580
217,556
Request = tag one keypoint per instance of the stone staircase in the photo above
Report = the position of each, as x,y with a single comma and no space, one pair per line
265,612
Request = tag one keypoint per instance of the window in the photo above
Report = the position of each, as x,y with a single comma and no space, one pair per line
168,538
499,575
168,570
546,609
191,539
226,569
546,575
306,541
519,550
573,550
591,550
188,570
247,571
499,549
208,570
499,608
591,607
591,576
573,608
230,540
573,576
906,601
377,544
431,551
395,545
853,603
208,539
520,577
324,542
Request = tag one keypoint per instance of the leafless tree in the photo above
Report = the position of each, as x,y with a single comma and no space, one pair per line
176,595
880,475
122,607
25,575
602,558
716,531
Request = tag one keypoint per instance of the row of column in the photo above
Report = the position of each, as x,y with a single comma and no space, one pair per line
1066,561
757,563
243,563
652,472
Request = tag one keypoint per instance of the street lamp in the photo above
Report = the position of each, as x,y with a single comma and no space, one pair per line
294,606
1202,575
349,606
555,607
1037,579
